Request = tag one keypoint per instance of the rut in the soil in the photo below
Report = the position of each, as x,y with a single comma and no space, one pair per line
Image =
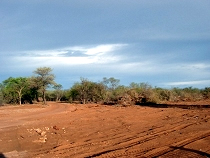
158,138
163,150
109,147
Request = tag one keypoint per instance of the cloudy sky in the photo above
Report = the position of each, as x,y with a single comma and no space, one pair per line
165,43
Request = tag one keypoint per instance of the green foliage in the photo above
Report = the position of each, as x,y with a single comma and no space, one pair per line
73,93
43,79
58,91
119,91
163,94
86,91
111,83
206,93
185,94
13,89
143,93
29,95
50,95
1,95
21,89
192,94
109,91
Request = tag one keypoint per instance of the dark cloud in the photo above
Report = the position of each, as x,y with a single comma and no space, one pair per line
166,41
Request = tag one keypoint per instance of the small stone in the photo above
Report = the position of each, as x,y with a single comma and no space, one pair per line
43,133
43,139
38,130
55,127
47,128
21,136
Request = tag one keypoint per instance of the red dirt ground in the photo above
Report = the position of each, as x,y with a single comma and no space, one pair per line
70,130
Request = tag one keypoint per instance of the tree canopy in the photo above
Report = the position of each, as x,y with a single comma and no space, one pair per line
108,91
13,88
43,79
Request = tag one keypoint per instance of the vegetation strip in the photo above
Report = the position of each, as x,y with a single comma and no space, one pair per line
42,87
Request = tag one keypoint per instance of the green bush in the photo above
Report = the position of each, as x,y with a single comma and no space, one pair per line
206,93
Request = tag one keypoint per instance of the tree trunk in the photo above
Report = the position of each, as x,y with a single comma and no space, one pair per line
43,97
57,99
37,97
19,101
19,96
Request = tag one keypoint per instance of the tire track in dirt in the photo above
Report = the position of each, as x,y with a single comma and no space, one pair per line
114,138
133,142
147,150
165,149
141,140
124,141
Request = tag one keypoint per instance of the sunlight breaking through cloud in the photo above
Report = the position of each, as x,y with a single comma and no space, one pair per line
74,55
82,50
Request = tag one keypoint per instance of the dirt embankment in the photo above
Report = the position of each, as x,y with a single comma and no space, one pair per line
67,130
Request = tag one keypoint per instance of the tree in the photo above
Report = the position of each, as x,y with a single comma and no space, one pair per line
83,89
163,94
87,91
1,94
13,88
19,84
34,87
43,79
58,91
142,93
206,92
111,83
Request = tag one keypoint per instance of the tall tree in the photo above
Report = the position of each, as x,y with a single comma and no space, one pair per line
111,83
43,79
58,91
13,86
87,91
83,89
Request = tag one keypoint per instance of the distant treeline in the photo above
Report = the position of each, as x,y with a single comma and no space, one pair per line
108,91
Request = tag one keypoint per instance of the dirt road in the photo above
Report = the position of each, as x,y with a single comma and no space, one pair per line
67,130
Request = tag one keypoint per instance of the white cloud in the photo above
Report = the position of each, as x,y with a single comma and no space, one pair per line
114,60
194,66
45,53
78,55
85,50
188,83
101,49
